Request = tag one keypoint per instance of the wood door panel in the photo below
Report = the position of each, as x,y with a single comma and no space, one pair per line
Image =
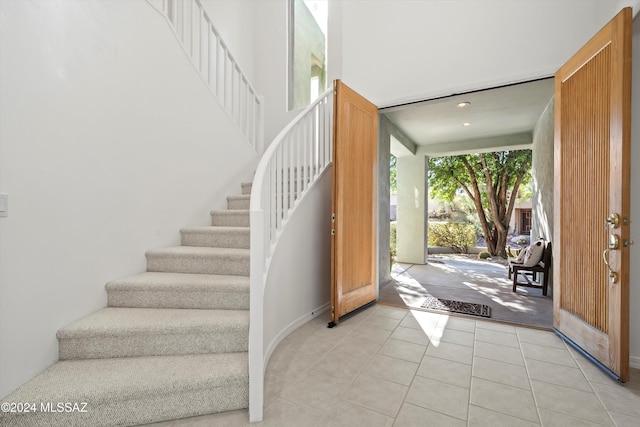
352,300
354,190
584,168
592,180
599,341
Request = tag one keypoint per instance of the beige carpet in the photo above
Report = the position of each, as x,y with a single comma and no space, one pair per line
172,343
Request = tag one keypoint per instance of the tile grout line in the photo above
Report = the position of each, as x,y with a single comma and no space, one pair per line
360,373
595,392
558,385
473,367
429,338
526,368
404,398
341,340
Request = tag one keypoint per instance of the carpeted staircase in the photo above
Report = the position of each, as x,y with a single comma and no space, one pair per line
172,342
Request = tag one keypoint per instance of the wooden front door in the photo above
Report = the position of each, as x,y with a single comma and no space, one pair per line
592,186
353,244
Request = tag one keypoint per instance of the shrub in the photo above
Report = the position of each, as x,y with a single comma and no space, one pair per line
459,236
393,238
439,214
392,244
484,255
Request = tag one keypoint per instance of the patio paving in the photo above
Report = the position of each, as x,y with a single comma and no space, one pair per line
468,280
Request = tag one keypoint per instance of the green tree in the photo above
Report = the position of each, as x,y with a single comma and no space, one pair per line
491,181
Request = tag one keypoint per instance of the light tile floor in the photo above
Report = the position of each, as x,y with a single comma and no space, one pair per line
387,366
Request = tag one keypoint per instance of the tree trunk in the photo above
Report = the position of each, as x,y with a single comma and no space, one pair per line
501,243
476,197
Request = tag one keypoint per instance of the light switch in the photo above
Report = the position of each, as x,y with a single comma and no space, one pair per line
4,204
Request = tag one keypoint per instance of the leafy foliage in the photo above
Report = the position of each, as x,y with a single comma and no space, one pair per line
459,236
490,180
393,233
439,214
393,174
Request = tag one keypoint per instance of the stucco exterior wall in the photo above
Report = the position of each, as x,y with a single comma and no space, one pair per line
384,197
412,217
542,164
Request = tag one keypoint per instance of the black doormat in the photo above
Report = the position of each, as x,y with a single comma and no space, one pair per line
470,308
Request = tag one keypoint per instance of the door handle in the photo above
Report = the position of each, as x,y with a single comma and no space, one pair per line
614,241
613,276
612,221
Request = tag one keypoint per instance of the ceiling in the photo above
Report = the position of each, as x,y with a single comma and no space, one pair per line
507,110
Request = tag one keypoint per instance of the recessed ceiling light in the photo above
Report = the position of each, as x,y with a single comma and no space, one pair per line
466,124
463,104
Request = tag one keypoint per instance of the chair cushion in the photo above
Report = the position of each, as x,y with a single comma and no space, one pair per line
534,253
521,255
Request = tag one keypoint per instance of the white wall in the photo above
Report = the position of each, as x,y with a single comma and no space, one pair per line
395,51
233,19
256,33
109,143
298,282
412,199
270,42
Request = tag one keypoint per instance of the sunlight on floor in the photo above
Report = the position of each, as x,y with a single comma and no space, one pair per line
469,281
432,324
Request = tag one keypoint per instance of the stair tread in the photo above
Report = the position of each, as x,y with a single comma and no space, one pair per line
112,321
231,212
231,217
180,290
201,251
239,197
215,229
181,281
100,380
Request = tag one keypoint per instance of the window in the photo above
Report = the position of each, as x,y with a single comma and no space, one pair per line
307,51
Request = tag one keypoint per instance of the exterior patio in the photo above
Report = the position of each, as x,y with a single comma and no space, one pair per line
460,278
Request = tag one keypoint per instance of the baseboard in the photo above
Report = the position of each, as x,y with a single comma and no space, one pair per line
634,362
290,328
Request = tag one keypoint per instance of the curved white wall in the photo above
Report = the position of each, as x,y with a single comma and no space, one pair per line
109,143
298,284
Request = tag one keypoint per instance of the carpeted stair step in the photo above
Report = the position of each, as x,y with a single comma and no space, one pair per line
216,237
238,202
136,332
179,290
132,391
246,187
230,218
199,260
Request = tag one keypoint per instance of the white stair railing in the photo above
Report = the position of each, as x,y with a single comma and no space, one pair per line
291,164
216,65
